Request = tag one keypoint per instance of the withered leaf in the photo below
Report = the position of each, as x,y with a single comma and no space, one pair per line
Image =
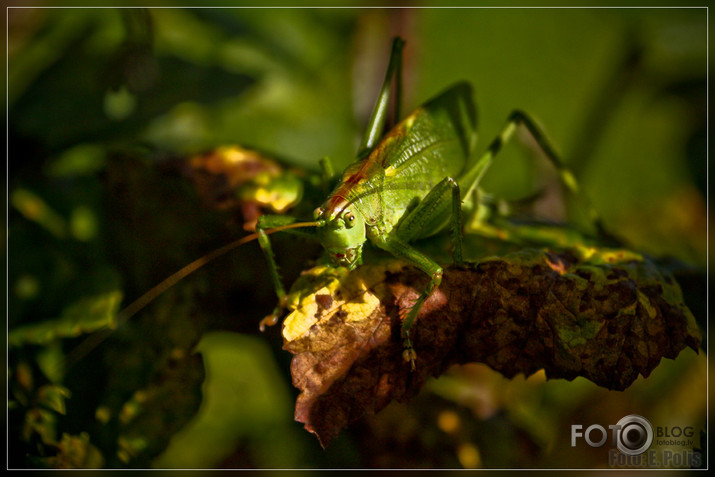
233,177
606,315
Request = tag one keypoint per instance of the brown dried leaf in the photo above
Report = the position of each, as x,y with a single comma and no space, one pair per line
607,316
218,173
236,178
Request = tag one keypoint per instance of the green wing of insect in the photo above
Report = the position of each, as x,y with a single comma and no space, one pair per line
433,142
442,129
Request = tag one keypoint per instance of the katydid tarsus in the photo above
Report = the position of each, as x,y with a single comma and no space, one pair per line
405,185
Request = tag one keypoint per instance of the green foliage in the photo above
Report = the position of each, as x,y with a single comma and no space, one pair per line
86,316
103,104
250,409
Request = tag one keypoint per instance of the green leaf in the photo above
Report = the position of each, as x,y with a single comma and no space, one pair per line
153,414
53,397
80,160
245,403
34,208
85,316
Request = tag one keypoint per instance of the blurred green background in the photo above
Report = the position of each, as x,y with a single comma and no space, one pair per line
101,101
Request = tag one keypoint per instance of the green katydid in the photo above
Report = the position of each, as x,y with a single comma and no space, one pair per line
407,185
404,186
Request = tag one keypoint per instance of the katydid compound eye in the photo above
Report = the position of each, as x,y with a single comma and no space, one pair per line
318,212
350,218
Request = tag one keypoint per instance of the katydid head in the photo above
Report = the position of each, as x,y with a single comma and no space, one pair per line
342,234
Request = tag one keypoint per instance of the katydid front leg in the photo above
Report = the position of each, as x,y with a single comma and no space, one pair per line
404,251
266,222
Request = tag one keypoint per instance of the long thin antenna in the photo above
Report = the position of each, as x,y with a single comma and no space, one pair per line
137,305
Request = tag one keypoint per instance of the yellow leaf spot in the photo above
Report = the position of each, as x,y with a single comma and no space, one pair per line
352,294
358,311
306,315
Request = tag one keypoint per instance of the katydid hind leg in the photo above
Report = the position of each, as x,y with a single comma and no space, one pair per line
566,176
471,178
376,124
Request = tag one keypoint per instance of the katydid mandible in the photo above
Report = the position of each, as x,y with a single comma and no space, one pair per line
407,185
